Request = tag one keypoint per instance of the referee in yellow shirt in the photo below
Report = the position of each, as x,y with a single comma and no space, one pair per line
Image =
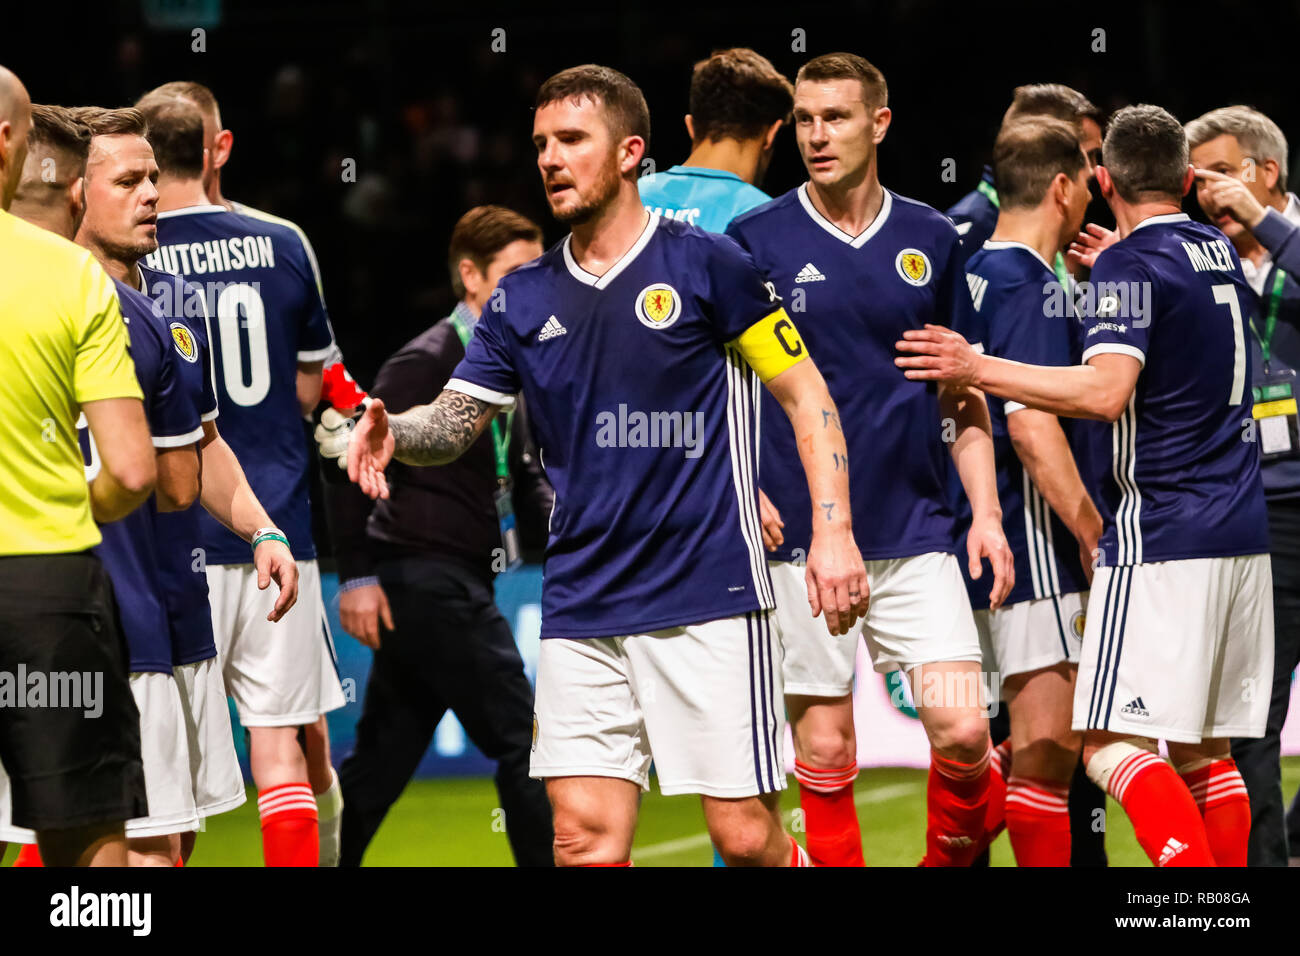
69,728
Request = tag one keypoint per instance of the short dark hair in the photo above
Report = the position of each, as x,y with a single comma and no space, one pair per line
55,129
102,121
1146,154
1051,99
848,66
483,232
1028,155
196,93
176,135
737,94
624,104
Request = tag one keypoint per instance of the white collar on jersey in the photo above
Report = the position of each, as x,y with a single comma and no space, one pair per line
1012,244
1160,220
858,241
191,210
625,260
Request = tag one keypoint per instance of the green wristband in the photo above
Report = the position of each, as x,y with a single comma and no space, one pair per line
270,537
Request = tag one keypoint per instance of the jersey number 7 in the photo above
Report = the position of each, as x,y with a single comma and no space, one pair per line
1226,294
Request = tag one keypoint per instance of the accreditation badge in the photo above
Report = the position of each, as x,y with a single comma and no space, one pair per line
1275,415
509,529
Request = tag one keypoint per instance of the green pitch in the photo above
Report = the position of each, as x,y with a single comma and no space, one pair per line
455,823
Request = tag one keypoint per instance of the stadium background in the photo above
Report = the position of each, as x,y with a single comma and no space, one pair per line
432,119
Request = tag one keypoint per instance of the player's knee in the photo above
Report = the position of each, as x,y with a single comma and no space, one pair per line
581,839
964,738
828,747
745,841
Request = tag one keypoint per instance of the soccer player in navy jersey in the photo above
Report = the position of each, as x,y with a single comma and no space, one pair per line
859,264
336,387
269,333
1178,643
976,213
118,227
1048,515
632,341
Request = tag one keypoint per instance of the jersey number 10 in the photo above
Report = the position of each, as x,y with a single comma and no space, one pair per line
234,299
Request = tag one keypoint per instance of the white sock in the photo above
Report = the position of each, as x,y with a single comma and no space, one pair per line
329,814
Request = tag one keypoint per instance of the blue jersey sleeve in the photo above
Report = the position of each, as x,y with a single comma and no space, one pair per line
953,305
1021,330
488,370
315,335
173,419
738,294
208,397
1114,316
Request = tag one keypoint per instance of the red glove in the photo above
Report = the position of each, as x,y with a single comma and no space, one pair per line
340,389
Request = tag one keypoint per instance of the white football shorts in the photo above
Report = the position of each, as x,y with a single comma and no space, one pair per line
703,702
1025,636
214,766
165,750
1178,650
919,613
283,674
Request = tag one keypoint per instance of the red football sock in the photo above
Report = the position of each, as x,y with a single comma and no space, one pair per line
1038,821
798,856
995,819
956,807
29,854
1162,811
829,815
1221,796
289,832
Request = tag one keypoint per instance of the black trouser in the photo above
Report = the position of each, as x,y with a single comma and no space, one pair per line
1087,841
1259,759
452,650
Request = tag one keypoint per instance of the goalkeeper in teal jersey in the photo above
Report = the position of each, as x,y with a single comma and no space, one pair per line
739,101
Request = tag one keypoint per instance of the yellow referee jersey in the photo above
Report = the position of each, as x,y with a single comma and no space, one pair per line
62,343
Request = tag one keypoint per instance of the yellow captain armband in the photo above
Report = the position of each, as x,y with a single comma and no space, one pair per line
771,345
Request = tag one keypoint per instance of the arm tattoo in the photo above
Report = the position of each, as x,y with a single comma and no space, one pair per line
439,432
830,507
831,418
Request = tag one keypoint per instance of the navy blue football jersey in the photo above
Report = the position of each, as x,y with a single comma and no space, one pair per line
852,298
1184,481
182,309
130,550
642,416
267,314
1025,315
976,214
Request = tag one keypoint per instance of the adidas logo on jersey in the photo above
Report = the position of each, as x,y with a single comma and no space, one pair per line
809,273
1171,850
1135,708
551,329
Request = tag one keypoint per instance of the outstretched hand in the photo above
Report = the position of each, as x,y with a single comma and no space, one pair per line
370,450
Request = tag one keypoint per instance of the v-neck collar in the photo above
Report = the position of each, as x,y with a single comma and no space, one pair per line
602,281
858,241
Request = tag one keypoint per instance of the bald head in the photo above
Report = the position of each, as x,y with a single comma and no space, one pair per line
15,121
